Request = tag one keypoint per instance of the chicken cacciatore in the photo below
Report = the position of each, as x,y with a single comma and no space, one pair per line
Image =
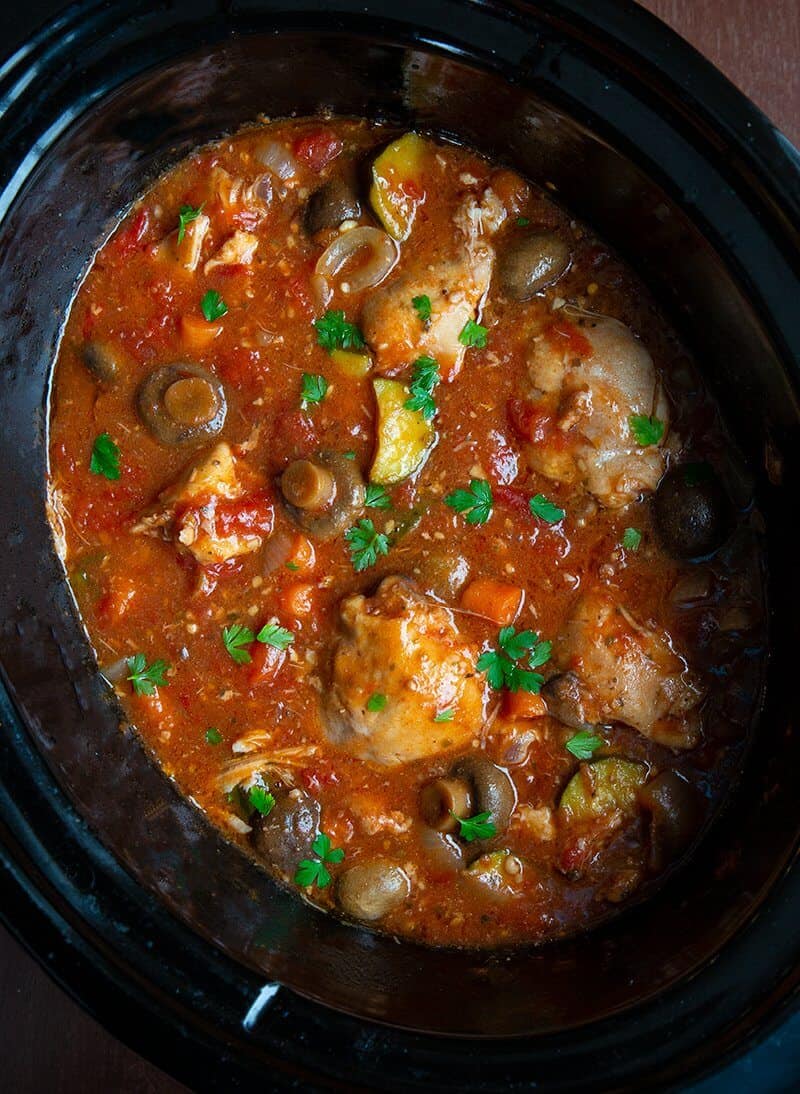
406,532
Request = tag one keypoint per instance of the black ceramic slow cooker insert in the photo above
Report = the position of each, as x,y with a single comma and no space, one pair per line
168,934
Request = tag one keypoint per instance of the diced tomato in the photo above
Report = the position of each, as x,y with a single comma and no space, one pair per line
318,148
521,705
532,421
130,238
513,498
302,555
253,514
314,778
265,664
565,335
495,600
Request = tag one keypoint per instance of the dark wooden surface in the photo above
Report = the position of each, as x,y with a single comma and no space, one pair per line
46,1042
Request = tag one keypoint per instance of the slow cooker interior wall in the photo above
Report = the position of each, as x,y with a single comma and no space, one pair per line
100,164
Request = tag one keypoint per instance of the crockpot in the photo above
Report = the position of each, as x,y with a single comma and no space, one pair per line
164,931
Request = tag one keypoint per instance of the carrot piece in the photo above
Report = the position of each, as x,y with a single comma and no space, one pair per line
266,662
197,333
494,599
518,705
297,599
301,555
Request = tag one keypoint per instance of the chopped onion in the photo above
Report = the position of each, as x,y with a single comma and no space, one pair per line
276,552
117,671
321,290
277,159
382,261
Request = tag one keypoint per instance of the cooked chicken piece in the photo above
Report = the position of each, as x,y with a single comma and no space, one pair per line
399,646
189,248
588,379
456,284
187,511
236,251
618,670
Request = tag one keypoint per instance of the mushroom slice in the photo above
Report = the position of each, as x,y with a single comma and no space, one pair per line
181,403
370,890
323,495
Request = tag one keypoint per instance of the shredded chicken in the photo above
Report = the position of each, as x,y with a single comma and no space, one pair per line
238,250
189,248
279,763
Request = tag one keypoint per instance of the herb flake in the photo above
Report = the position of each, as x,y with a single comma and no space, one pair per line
146,678
478,827
234,639
105,458
424,378
273,635
473,335
213,306
376,702
376,497
365,544
584,744
313,871
647,430
513,662
422,306
475,504
314,390
631,539
334,332
546,510
186,215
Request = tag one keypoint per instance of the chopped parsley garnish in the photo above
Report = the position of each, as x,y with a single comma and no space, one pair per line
631,539
314,389
365,544
273,635
584,744
475,503
349,455
422,306
235,638
473,335
334,332
545,510
445,716
213,736
477,827
261,800
292,566
213,306
424,378
186,215
312,871
376,702
376,497
105,457
146,678
523,222
502,664
646,430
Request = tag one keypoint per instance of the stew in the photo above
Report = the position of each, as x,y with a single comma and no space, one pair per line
406,531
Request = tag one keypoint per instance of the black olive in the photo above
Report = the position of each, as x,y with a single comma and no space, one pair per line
692,512
284,836
532,262
370,890
676,810
182,402
330,205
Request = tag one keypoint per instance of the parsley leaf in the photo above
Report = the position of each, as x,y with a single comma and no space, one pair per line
424,378
523,222
646,430
376,497
422,306
146,678
475,503
213,736
186,215
261,800
277,637
445,716
334,332
512,663
477,827
376,702
365,545
473,334
312,871
105,457
235,638
315,388
584,744
545,510
213,306
631,538
292,566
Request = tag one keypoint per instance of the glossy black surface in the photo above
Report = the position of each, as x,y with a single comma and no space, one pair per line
673,166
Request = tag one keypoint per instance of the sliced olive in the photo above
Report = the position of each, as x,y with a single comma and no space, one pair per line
103,361
308,485
492,789
330,205
324,495
564,698
181,403
284,836
443,798
531,263
370,890
676,810
692,512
